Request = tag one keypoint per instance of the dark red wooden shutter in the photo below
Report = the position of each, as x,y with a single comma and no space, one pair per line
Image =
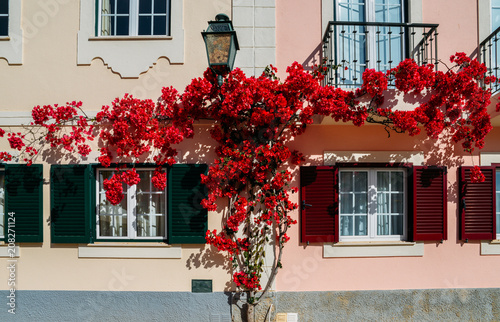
477,205
319,204
429,203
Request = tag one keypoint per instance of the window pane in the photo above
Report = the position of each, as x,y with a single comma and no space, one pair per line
498,182
4,7
397,203
345,181
112,226
397,225
108,26
360,225
346,225
397,181
150,226
383,203
145,6
360,203
350,10
346,204
4,26
122,25
361,181
145,25
382,181
160,26
383,224
123,6
145,184
160,6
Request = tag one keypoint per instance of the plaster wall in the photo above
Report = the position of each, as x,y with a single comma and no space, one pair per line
49,72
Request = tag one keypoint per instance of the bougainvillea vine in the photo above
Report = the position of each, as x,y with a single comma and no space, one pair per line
254,119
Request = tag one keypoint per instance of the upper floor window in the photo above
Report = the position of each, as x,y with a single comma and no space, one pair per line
362,46
4,18
495,14
134,18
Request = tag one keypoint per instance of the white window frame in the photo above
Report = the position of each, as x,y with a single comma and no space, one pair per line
372,207
497,203
2,200
130,197
11,46
129,56
134,19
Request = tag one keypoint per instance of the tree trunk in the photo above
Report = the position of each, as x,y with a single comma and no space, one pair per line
250,312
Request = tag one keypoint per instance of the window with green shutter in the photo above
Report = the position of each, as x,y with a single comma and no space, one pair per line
72,203
80,212
24,202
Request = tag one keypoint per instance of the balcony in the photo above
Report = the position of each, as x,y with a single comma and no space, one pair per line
351,47
488,54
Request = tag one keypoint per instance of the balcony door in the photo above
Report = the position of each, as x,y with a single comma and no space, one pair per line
361,46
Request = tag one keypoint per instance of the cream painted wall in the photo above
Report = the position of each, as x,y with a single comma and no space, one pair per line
49,73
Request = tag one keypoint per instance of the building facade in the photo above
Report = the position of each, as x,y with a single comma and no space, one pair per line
378,257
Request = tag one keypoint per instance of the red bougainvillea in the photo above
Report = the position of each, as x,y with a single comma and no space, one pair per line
254,118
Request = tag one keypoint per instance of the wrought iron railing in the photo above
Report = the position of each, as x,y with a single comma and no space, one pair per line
489,55
351,47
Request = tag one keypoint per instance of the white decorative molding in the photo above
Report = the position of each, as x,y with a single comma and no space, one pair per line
255,24
5,251
373,249
129,251
332,157
129,56
490,247
487,158
11,47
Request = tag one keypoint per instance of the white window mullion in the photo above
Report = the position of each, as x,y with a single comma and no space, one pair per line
372,203
134,18
131,211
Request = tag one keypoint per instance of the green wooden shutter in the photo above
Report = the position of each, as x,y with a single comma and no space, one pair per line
187,219
24,198
72,203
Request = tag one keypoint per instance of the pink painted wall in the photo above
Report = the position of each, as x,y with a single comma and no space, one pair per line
452,264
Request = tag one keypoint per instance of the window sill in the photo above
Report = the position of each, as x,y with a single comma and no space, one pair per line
129,250
373,249
4,38
490,247
5,251
130,38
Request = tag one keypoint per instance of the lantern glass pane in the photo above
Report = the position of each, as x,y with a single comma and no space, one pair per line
218,46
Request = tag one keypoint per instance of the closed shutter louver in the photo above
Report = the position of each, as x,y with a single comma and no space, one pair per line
23,186
319,204
429,215
477,205
187,219
72,203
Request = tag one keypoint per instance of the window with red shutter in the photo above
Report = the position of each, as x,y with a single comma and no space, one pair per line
373,202
429,203
319,204
477,205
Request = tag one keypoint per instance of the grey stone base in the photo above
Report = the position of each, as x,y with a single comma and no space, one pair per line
394,305
55,306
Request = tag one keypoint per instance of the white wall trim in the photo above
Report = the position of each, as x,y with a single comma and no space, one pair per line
130,56
373,249
415,157
11,48
487,158
139,251
490,247
4,251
